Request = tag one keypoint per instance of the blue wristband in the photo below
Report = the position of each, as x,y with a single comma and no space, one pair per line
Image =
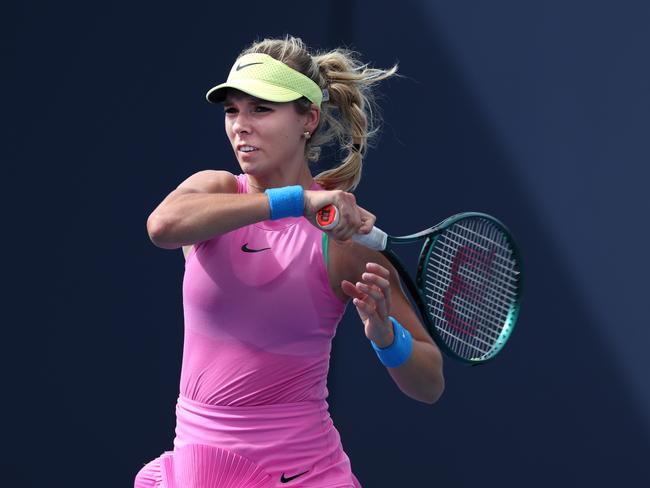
399,351
288,201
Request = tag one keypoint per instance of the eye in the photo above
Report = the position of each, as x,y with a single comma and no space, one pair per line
262,108
229,110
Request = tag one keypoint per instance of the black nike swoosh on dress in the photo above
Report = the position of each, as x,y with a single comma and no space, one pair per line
245,248
286,480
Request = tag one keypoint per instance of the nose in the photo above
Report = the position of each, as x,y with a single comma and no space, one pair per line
241,124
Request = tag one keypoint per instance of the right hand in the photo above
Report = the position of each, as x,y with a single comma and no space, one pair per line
353,219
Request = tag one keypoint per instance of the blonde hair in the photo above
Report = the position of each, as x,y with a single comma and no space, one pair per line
350,117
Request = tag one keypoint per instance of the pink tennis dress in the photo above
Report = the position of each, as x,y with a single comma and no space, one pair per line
259,321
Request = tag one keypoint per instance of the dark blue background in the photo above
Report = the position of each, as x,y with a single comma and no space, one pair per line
536,112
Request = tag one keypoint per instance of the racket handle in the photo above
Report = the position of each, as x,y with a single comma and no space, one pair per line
376,239
328,217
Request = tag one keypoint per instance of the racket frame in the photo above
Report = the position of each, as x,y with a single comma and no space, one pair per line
430,237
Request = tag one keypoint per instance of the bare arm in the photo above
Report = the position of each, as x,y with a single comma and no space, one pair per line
202,207
421,376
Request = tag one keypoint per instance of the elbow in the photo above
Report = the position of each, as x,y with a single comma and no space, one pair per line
434,392
429,396
437,390
158,233
437,387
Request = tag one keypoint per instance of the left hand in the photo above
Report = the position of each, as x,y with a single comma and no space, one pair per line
371,296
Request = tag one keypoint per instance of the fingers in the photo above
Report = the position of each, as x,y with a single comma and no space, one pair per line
377,275
349,216
367,221
359,221
353,219
365,307
351,290
373,292
378,269
377,296
363,303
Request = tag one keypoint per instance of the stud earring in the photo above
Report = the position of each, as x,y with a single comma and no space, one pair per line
306,134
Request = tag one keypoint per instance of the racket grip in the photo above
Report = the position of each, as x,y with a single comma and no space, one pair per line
328,217
376,239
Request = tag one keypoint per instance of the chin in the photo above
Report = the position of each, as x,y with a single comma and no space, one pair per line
256,168
248,168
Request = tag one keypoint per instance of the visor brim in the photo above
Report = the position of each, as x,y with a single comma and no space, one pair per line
256,88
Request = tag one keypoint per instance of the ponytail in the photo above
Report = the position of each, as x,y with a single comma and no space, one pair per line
349,118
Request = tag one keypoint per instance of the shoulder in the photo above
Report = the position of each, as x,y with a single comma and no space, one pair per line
349,260
209,181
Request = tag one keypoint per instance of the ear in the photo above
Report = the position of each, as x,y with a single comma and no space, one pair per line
313,118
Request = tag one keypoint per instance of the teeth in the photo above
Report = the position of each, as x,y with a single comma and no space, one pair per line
247,148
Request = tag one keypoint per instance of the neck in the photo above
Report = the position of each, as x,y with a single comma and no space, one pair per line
302,176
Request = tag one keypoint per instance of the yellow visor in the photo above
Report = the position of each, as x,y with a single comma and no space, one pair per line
266,78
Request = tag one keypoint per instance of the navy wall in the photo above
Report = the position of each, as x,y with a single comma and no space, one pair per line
537,114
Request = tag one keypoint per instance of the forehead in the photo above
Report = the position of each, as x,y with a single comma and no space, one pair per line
233,95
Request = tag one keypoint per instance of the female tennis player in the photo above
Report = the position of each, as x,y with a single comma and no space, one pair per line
264,287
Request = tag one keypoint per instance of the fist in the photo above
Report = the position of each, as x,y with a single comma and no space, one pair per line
353,219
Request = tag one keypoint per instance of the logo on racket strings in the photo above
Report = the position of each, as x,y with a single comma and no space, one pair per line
470,258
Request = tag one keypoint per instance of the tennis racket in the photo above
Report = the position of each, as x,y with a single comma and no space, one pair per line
468,283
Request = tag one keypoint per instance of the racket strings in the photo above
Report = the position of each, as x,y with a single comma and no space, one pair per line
467,309
477,335
498,289
507,279
468,347
486,275
460,240
481,330
471,284
496,305
481,319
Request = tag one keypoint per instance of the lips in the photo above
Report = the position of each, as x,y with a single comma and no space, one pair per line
246,148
